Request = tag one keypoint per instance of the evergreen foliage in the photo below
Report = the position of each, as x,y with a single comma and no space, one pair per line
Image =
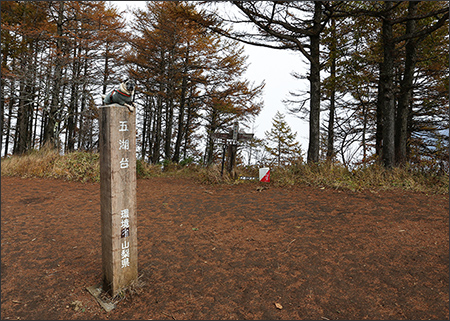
280,143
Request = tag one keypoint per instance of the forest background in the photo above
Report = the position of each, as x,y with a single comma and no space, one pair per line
378,79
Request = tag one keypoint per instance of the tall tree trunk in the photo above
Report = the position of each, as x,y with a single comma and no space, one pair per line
151,123
60,123
314,116
209,152
188,124
2,100
73,105
146,128
406,89
28,73
2,114
49,135
157,131
4,64
157,128
30,122
170,101
45,105
184,84
36,118
333,53
151,128
106,70
379,118
83,104
180,132
364,134
23,118
388,102
10,114
169,127
146,121
33,94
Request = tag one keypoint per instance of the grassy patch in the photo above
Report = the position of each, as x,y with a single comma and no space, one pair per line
47,163
36,163
85,167
372,177
78,166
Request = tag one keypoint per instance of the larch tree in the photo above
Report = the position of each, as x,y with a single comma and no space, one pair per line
423,20
50,72
190,76
24,26
228,97
165,61
302,25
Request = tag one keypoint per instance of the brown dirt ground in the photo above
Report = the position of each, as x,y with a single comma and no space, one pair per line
319,253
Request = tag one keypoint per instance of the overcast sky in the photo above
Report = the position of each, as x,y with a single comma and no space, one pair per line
275,67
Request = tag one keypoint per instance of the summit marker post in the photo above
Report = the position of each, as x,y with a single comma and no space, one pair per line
118,197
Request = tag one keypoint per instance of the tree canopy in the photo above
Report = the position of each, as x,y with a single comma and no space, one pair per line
378,75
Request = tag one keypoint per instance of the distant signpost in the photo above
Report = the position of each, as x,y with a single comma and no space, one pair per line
231,140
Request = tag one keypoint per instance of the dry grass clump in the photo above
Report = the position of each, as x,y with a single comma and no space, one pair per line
134,289
36,163
212,175
145,170
78,166
47,163
166,169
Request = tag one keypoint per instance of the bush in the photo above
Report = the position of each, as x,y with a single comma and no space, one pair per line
187,161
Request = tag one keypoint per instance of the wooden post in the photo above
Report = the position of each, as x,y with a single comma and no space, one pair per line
231,154
118,197
224,148
232,151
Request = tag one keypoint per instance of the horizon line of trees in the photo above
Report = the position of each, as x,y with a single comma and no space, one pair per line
378,75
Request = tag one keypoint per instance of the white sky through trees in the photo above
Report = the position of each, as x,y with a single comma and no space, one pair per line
275,68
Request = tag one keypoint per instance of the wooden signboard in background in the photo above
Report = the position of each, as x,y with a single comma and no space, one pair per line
230,141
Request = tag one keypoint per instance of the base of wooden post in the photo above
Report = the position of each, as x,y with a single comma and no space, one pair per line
97,291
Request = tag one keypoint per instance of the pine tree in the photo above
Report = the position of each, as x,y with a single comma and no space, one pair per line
281,144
